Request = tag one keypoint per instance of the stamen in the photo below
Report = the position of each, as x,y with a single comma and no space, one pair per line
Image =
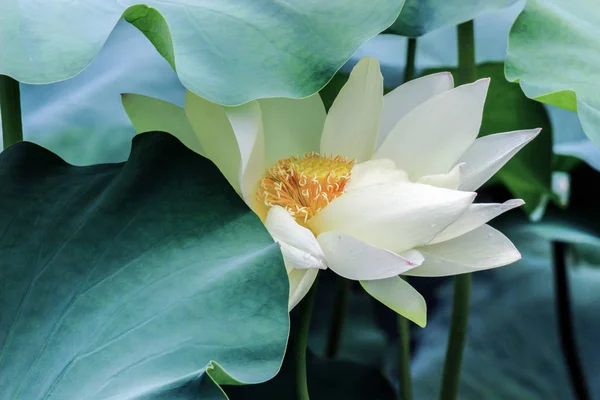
287,184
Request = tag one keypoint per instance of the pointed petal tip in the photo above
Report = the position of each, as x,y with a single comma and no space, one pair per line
516,202
368,59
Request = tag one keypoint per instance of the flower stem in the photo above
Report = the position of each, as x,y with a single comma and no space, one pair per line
404,376
340,306
466,53
462,283
301,342
10,110
458,334
409,68
565,322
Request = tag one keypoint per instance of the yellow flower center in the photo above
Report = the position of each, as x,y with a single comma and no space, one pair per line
303,186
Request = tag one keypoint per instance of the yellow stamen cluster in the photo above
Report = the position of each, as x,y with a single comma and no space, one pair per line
303,186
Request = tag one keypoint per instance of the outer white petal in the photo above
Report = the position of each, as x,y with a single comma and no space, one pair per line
374,172
451,180
398,102
482,248
352,124
489,153
475,216
246,122
432,137
292,126
300,282
400,296
150,114
299,246
215,135
396,217
357,260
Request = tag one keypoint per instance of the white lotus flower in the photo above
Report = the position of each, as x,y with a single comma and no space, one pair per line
379,187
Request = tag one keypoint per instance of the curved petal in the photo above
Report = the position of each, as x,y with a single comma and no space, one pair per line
352,124
489,153
400,296
475,216
301,281
357,260
396,217
374,172
215,135
451,180
299,246
398,102
292,126
246,122
150,114
482,248
432,137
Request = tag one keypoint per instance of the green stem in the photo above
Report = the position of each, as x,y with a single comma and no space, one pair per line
301,342
10,110
566,330
462,283
409,68
404,377
458,334
466,53
337,321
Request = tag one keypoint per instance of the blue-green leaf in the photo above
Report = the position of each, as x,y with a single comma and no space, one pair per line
553,54
144,279
228,51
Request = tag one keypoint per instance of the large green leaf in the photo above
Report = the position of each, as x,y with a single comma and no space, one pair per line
421,16
228,51
553,53
148,279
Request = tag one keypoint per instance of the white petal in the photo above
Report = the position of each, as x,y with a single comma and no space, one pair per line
300,259
374,172
357,260
475,216
398,102
292,126
396,217
298,244
482,248
301,281
352,124
432,137
215,134
400,296
451,180
489,153
246,121
150,114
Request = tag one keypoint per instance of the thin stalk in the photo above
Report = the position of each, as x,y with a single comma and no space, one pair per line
411,51
301,342
404,376
462,283
10,110
565,323
467,70
457,338
340,307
